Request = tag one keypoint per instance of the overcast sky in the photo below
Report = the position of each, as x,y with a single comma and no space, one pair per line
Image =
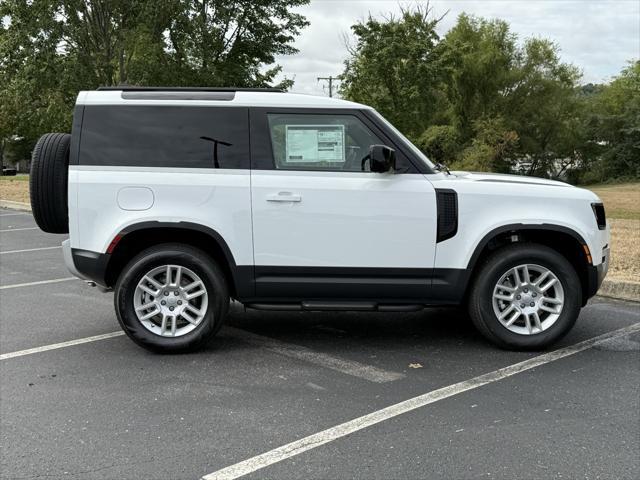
599,36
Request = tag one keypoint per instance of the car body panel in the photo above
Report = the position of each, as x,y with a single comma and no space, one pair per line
487,202
215,198
343,219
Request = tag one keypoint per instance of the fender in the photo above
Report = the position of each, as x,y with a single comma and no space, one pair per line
181,226
519,227
97,269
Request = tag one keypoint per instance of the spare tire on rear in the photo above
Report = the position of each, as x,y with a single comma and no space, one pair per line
48,182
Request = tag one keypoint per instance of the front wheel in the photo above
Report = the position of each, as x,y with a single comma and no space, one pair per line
171,298
525,297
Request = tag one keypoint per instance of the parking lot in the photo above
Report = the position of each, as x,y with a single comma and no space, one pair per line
301,395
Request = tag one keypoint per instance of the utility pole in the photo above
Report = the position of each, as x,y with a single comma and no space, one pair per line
330,79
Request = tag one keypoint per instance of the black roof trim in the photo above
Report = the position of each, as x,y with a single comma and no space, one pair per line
133,88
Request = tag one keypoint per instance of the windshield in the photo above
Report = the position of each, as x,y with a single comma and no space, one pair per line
411,146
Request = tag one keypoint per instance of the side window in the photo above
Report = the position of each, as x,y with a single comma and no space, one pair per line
165,136
320,142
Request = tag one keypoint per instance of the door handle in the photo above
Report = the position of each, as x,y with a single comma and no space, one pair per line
284,197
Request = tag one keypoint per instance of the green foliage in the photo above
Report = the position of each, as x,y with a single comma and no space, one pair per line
440,143
513,106
398,66
229,41
478,98
483,55
542,108
491,149
51,49
481,99
613,123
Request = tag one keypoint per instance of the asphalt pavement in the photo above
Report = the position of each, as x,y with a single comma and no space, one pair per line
348,395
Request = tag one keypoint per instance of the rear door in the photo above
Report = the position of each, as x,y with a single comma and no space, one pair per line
324,226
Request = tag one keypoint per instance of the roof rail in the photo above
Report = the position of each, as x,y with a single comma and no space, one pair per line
132,88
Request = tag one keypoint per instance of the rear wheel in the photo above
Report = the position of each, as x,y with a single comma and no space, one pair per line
171,298
525,297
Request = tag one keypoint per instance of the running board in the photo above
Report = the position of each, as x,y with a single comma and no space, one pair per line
336,306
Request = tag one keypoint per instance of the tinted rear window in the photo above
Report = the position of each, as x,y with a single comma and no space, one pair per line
163,136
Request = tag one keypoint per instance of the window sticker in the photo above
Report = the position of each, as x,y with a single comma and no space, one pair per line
315,143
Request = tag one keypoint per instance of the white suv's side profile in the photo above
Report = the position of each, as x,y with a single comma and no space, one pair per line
180,199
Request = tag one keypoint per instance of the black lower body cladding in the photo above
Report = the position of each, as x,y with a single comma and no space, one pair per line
48,182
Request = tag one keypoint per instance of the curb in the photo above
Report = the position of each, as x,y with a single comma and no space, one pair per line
620,290
23,207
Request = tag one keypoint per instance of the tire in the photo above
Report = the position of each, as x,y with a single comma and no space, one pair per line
195,264
48,182
498,272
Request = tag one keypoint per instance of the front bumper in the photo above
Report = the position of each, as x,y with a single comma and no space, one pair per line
603,268
597,273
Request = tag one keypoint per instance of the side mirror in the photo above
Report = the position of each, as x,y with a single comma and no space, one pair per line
381,158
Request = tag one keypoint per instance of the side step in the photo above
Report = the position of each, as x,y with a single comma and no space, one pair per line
315,306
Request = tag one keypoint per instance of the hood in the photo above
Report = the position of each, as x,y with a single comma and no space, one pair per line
502,178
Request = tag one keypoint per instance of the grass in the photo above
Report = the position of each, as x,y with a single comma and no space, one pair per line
15,188
625,250
21,177
621,202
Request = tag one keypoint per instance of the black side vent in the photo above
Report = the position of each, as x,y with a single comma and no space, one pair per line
447,201
601,218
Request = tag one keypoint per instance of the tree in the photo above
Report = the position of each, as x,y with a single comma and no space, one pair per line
483,54
526,90
475,99
30,96
398,66
492,148
440,142
51,49
545,110
230,41
613,127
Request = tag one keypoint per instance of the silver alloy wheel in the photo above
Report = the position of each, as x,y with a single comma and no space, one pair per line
528,299
170,300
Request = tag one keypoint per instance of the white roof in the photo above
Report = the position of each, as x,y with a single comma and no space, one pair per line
241,99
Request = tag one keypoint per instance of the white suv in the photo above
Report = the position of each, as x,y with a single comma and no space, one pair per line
180,199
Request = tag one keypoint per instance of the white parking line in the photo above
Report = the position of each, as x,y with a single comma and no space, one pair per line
356,369
349,367
313,441
41,282
13,214
18,229
54,346
30,250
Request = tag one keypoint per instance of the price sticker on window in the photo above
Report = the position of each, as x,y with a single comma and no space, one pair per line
315,144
